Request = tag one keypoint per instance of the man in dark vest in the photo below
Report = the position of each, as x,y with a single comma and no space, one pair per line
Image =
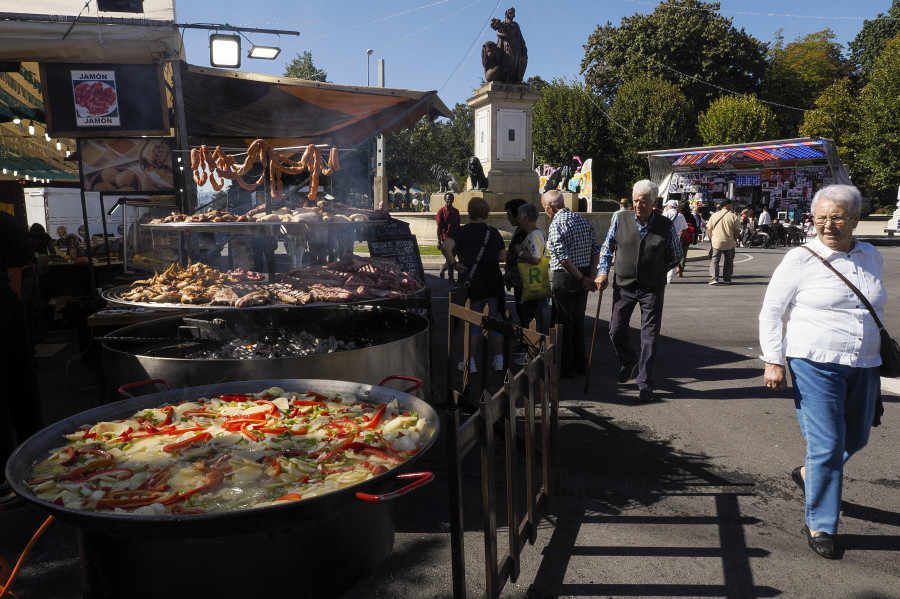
646,247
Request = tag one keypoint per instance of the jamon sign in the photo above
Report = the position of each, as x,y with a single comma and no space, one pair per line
96,101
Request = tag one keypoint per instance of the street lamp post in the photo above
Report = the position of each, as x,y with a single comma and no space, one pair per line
368,54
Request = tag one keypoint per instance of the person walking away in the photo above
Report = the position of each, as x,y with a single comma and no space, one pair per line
645,246
680,224
832,348
20,404
530,250
480,250
724,228
688,236
447,224
574,253
511,277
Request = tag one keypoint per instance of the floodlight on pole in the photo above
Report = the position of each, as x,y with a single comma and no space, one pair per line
225,50
264,52
368,54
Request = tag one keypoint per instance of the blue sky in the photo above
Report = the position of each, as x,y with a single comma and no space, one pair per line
436,44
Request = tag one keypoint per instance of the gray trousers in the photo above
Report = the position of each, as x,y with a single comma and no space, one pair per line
727,268
624,301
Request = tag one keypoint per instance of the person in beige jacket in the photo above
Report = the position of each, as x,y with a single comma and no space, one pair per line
724,228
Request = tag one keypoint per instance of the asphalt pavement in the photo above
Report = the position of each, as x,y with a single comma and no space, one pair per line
688,496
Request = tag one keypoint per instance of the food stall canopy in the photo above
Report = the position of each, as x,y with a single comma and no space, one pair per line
783,152
231,109
125,43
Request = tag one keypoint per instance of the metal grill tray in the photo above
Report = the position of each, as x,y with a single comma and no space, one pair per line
255,228
114,296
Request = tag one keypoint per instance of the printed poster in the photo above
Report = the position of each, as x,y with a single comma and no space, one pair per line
96,99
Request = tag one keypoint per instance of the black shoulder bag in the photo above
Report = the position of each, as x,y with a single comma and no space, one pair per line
470,276
890,351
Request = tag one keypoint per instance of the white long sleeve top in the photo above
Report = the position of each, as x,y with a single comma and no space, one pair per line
826,321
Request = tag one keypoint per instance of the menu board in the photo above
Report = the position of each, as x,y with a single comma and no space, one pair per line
404,251
104,100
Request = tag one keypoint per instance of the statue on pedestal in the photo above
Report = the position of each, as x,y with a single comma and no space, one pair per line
505,61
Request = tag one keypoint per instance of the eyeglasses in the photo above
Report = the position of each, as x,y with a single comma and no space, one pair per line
835,220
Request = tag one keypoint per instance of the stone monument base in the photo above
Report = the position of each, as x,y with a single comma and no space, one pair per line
496,200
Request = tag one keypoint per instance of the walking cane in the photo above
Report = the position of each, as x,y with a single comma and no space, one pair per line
587,378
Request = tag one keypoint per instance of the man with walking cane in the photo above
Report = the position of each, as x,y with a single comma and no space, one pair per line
646,247
574,252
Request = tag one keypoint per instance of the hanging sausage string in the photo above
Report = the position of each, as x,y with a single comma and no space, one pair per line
206,164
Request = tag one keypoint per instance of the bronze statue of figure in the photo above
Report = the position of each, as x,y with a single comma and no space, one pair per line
506,60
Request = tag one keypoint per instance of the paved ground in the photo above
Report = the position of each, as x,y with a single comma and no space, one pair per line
686,497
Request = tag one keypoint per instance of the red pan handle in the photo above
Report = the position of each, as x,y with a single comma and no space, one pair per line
423,478
418,382
122,389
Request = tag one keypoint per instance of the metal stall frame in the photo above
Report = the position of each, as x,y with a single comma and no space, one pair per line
534,390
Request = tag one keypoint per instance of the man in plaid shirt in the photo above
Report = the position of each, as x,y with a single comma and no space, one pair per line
574,254
646,248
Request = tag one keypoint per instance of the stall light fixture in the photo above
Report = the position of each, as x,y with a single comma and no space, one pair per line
264,52
47,136
59,146
68,153
30,128
17,120
225,50
4,171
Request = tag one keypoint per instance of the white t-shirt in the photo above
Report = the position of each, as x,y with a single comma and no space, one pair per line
534,243
764,218
677,219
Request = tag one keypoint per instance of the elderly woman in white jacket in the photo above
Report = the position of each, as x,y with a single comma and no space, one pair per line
831,345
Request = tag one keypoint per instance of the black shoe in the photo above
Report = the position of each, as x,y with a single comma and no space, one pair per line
625,373
8,499
646,394
822,543
798,479
443,272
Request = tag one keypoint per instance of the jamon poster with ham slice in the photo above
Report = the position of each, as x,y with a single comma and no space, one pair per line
96,100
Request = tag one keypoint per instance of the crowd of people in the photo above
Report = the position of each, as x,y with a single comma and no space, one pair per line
830,340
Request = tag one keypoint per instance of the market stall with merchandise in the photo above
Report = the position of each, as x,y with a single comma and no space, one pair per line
779,176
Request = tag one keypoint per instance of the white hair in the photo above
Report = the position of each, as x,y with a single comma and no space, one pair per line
646,186
846,195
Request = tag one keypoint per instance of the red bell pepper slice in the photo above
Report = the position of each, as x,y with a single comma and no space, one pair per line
378,453
375,419
273,409
172,447
154,482
290,497
117,473
238,398
273,431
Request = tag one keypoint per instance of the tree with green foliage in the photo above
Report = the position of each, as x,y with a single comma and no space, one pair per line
647,114
870,41
410,153
798,73
736,120
877,144
833,117
685,42
302,67
567,121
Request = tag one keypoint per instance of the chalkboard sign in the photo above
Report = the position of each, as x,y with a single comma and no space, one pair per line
402,250
392,228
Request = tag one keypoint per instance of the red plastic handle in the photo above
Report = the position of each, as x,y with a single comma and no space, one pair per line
423,478
418,382
122,389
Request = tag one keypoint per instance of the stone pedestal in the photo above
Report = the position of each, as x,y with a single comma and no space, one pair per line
497,200
503,116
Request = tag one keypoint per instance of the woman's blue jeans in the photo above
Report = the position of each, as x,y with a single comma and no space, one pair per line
835,406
